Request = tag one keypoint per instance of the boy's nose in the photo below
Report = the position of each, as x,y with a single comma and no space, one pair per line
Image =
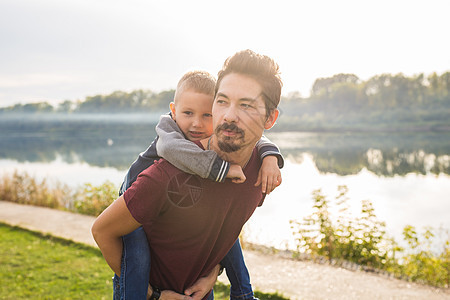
197,122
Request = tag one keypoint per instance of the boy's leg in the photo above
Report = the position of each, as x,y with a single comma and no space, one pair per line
116,288
135,268
237,273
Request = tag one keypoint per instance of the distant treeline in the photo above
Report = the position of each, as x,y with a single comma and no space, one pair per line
116,102
387,102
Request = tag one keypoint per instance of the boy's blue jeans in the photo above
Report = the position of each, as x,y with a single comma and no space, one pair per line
135,267
135,270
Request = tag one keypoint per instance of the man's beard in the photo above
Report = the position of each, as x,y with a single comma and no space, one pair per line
226,143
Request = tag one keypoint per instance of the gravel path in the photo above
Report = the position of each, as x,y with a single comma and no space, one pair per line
269,273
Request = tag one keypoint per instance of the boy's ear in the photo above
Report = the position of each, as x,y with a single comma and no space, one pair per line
172,110
271,119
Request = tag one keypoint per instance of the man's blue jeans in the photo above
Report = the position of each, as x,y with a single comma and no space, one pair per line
135,270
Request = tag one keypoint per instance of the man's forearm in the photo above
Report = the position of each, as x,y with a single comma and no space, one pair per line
111,249
108,229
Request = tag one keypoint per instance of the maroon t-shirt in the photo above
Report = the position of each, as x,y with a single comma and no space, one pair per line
190,222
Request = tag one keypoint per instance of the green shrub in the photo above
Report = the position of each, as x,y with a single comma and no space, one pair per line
362,240
420,262
92,200
341,237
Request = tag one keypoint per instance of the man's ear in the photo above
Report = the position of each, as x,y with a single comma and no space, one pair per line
271,119
172,110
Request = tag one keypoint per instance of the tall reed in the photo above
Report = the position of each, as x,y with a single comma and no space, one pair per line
24,189
87,199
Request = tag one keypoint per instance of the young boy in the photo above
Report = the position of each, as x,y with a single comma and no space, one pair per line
190,120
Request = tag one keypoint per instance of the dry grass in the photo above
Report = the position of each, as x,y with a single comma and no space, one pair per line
24,189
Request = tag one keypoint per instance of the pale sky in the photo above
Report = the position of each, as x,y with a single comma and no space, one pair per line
54,50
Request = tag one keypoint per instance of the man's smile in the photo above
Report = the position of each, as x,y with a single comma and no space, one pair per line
230,130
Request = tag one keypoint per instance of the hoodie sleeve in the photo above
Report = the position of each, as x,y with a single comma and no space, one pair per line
266,147
186,155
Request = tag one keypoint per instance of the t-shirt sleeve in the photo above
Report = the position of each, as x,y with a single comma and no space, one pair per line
145,198
262,200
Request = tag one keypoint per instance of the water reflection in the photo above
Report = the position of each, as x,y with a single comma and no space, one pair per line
384,154
114,143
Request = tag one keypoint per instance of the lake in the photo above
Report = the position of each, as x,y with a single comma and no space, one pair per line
405,175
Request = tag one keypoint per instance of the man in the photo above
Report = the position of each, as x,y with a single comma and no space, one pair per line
191,222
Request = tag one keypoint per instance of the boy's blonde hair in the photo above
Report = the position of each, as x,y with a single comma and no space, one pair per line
197,81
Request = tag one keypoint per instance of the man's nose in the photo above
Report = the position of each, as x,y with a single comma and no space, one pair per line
231,115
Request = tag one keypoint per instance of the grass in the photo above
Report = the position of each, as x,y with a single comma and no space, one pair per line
33,265
222,292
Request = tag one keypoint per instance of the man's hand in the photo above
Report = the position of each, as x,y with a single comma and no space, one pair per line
171,295
269,175
204,285
168,295
236,174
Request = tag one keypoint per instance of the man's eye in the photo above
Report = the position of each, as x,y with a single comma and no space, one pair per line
246,106
220,101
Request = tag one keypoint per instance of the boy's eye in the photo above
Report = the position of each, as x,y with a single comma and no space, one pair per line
187,113
208,115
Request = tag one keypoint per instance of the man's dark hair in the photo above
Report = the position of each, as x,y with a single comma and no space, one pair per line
259,67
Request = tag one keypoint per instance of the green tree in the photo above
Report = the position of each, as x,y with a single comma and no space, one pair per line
326,85
66,106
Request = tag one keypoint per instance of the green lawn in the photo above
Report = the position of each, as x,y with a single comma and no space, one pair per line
33,266
36,266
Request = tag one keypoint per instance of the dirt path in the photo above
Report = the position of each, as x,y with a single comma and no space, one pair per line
269,273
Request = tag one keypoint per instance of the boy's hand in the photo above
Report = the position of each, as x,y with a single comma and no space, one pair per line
236,174
269,175
204,285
